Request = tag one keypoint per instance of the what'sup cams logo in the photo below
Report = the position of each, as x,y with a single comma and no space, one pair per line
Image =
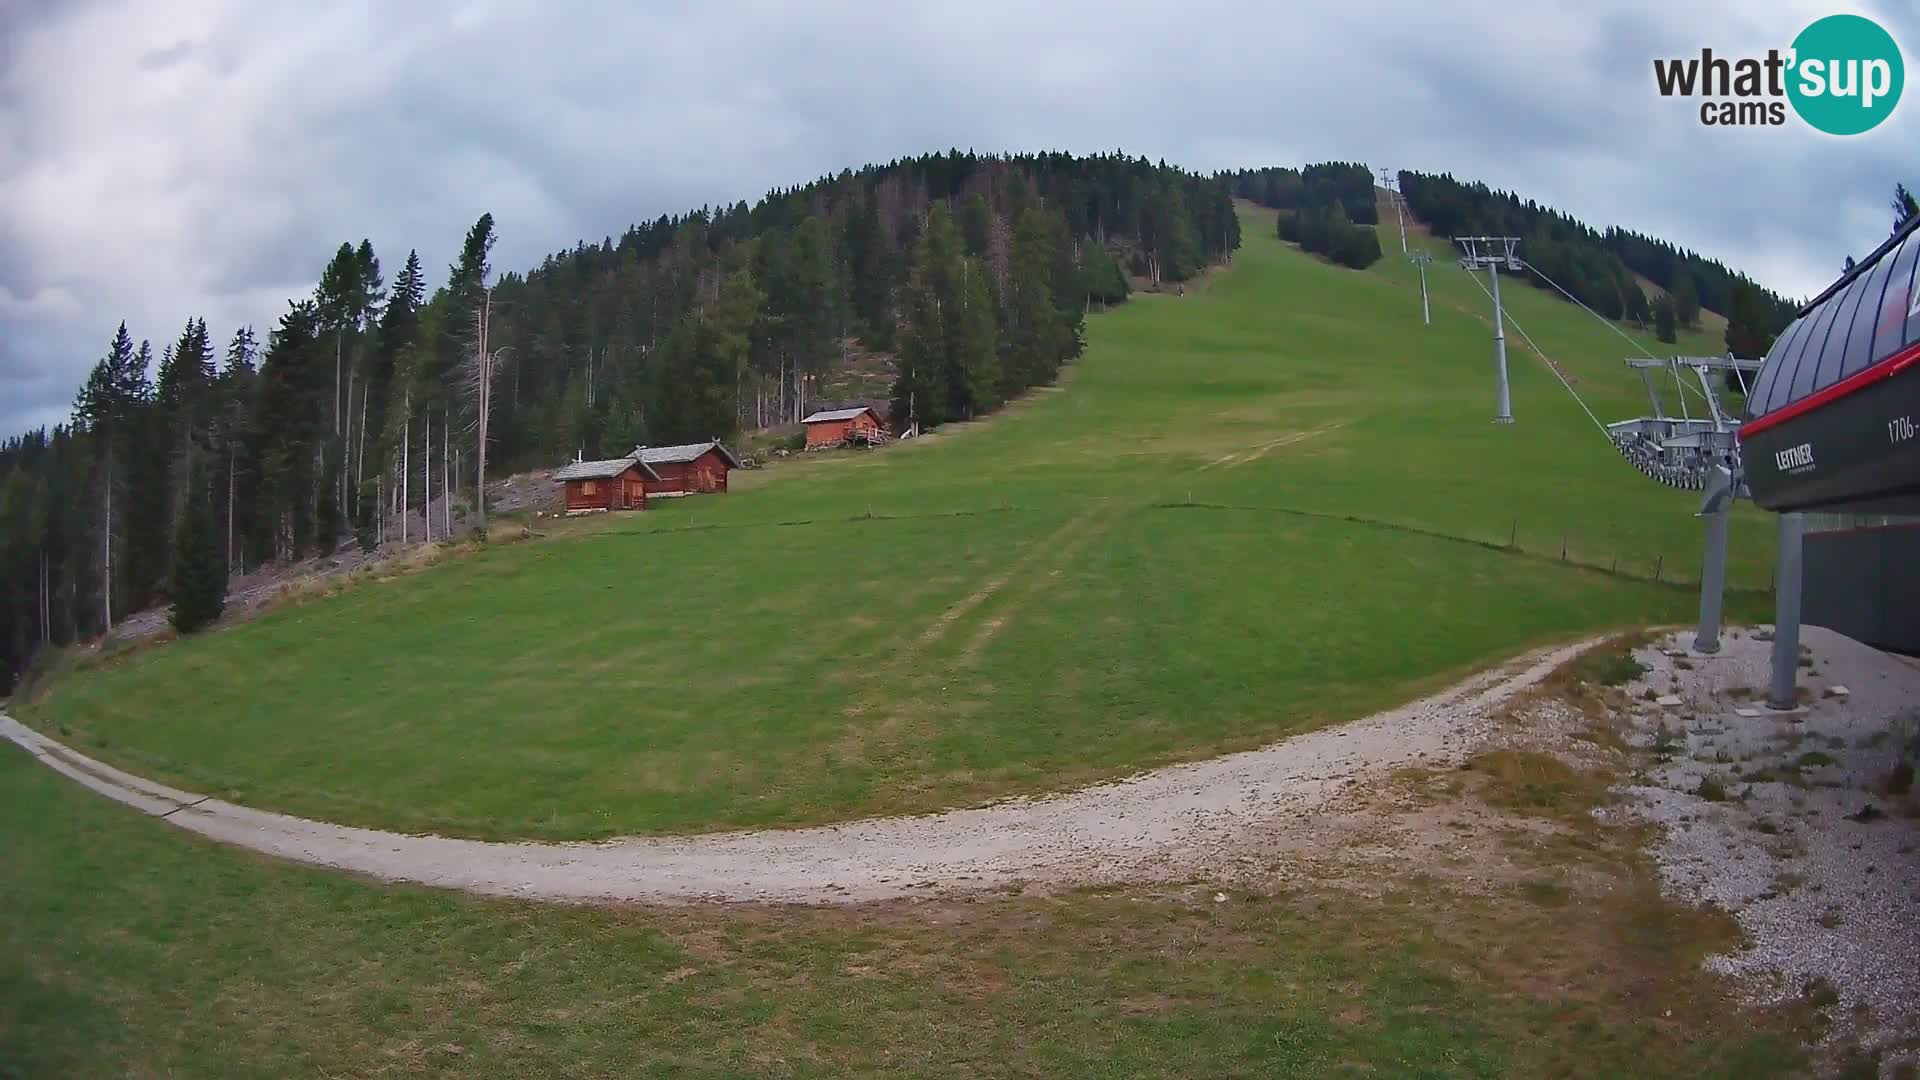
1842,75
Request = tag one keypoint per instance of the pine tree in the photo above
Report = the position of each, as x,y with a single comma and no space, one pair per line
1905,207
1750,329
290,417
976,225
1635,301
107,408
199,567
921,393
233,437
864,250
1664,320
1037,336
1686,301
183,412
973,364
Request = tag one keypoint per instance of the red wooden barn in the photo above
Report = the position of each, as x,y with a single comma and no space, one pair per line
615,484
836,426
687,469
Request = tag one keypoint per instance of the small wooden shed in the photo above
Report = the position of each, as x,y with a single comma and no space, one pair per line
687,469
834,427
614,484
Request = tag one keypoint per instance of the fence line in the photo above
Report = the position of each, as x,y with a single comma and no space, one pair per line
1512,546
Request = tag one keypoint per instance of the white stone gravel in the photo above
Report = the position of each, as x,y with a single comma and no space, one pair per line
1819,894
1162,825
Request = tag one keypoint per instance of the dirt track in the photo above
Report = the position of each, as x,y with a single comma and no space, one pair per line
1162,825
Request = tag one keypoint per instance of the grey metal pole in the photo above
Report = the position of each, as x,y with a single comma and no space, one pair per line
1786,614
1503,402
1713,580
1426,313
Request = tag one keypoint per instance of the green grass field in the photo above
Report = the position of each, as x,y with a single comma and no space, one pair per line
1271,503
129,949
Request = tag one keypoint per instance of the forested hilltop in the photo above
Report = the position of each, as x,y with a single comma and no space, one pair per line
1598,266
974,271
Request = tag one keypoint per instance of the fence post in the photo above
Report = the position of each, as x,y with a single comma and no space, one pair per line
1615,568
1659,563
1563,547
1513,534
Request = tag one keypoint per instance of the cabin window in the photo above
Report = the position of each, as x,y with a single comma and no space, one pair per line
589,487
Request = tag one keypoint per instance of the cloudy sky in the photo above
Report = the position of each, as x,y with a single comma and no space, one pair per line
204,157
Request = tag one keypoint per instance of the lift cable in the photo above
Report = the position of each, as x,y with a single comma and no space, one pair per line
1624,336
1551,366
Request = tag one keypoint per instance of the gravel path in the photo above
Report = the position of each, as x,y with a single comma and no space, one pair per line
1160,825
1802,840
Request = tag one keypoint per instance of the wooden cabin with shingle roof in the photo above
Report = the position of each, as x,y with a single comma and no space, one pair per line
687,469
614,484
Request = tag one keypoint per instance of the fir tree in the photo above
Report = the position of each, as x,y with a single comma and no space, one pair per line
1037,337
973,366
1750,329
1664,320
976,225
1686,301
199,567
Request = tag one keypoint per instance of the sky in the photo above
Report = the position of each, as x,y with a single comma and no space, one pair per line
205,157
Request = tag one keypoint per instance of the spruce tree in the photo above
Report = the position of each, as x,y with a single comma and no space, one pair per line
1750,329
973,362
976,225
1686,301
1037,337
1664,320
199,561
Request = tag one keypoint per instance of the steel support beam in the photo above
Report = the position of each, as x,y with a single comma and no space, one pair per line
1715,510
1786,614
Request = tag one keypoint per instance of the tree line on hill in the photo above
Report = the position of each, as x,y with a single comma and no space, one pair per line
362,413
1325,208
1599,266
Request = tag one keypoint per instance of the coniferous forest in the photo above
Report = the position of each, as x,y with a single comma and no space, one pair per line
1598,267
241,449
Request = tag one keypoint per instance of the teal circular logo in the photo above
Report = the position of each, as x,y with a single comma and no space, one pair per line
1846,75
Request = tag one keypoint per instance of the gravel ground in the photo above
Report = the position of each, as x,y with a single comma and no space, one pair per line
1795,831
1164,825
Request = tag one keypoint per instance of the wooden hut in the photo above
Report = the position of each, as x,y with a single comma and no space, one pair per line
836,427
687,469
615,484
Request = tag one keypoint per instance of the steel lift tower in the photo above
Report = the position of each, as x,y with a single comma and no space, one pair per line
1421,259
1491,253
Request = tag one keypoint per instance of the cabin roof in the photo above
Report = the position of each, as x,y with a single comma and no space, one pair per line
674,455
1863,319
839,414
603,470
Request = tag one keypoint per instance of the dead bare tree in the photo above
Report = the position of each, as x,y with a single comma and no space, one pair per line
476,376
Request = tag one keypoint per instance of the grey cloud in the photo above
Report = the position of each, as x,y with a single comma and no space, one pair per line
208,159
